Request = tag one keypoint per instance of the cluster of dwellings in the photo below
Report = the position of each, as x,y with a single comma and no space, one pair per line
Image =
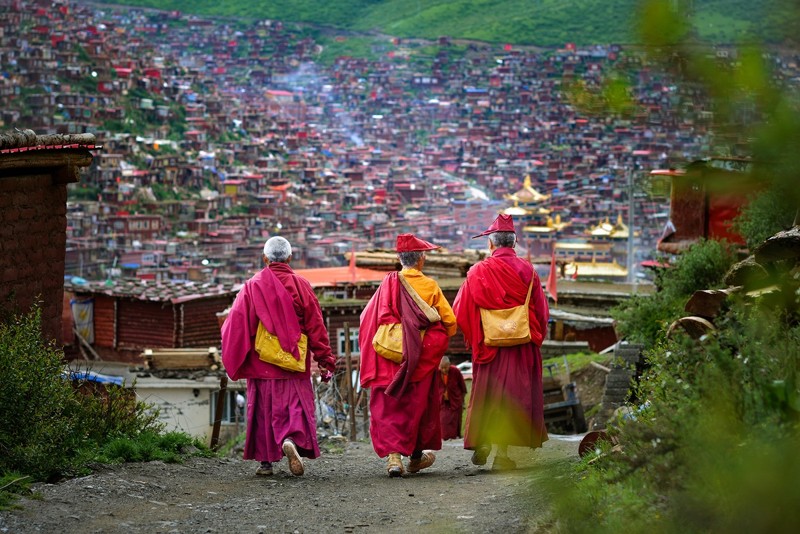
234,133
216,136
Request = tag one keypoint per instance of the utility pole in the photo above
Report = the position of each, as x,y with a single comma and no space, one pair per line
630,224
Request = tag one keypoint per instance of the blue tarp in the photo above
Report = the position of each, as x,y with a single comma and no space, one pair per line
91,376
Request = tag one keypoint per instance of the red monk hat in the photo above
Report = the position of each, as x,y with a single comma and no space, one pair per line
410,243
503,223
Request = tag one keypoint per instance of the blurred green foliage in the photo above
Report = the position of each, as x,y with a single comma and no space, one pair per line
644,319
710,446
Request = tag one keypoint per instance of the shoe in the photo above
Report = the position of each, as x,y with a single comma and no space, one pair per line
503,463
418,464
480,454
394,465
264,470
295,462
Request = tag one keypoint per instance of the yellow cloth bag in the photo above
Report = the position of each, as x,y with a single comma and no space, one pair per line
269,350
507,327
388,341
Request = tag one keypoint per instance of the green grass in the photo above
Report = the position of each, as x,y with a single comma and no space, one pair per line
11,485
576,361
532,22
171,447
363,47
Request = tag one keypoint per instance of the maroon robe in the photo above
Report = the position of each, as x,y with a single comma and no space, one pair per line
506,404
405,420
453,392
280,403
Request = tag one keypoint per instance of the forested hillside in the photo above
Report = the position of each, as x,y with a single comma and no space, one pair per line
532,22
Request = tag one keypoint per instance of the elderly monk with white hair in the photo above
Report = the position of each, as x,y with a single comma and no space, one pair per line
506,405
275,321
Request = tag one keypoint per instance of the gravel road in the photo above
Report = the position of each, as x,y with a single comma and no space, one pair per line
345,490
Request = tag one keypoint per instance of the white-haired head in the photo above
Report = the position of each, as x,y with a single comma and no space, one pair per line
277,249
503,239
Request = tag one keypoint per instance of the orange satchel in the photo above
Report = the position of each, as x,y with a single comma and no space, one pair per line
388,342
507,327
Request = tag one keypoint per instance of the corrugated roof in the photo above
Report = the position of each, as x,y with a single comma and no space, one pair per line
173,292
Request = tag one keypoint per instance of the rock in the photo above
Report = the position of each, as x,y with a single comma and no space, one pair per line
784,245
748,273
708,302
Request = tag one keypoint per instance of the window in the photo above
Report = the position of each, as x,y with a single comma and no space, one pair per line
232,411
340,348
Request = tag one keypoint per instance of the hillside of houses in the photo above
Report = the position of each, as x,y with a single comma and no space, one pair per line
217,135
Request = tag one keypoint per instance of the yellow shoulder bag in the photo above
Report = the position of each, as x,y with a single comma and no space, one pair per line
269,350
507,327
388,339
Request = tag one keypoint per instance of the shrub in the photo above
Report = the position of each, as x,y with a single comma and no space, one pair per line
767,213
712,449
703,266
643,319
116,413
50,429
41,424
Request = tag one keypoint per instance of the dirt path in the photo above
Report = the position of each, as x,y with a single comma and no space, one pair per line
341,492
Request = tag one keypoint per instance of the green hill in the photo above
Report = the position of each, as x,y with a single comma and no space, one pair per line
530,22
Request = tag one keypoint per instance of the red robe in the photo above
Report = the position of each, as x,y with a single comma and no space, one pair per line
410,421
453,391
506,404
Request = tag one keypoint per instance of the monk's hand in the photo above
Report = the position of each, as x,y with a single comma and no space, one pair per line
326,375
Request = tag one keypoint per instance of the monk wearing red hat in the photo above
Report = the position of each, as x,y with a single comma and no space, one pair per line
404,332
506,405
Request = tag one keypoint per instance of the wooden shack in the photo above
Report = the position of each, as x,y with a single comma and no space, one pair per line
132,315
705,199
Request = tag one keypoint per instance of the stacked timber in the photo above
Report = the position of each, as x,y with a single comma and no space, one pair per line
191,358
437,264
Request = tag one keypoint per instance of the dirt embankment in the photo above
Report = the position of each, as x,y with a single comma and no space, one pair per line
342,491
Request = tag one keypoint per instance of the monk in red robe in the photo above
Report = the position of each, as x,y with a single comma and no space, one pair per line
405,395
280,403
453,391
506,402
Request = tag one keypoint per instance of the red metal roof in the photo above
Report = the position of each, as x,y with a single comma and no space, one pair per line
333,276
